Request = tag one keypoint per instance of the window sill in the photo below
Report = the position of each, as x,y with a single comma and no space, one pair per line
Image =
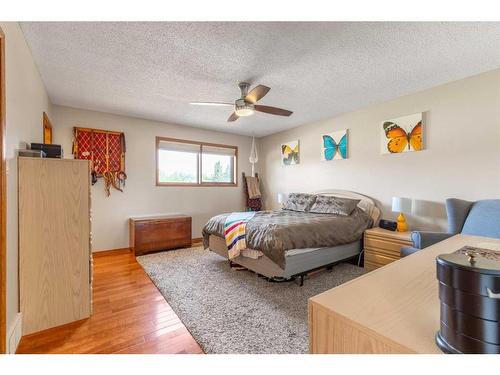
205,184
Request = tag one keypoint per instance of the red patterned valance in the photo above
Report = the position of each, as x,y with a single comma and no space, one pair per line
106,151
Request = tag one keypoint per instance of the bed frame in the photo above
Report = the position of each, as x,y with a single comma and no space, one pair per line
300,262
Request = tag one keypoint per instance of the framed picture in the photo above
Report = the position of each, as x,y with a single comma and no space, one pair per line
334,145
47,129
402,134
290,153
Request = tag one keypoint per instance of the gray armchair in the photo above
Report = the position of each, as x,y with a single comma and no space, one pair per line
481,218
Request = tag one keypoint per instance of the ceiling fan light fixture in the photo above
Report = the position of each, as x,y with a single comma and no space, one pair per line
243,109
243,112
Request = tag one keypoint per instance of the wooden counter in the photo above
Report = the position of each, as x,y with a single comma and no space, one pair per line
393,309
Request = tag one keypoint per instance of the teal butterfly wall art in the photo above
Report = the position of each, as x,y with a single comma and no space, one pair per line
334,145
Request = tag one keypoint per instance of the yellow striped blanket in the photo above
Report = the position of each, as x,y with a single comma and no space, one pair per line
235,232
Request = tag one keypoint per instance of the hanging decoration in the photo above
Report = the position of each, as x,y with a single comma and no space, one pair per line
106,151
254,157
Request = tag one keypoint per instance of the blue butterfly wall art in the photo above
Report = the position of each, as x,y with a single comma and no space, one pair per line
335,145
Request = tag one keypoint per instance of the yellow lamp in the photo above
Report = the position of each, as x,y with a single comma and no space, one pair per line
402,205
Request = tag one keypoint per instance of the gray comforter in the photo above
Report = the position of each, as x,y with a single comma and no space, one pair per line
274,232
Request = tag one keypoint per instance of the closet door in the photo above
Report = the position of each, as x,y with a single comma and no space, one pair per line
54,246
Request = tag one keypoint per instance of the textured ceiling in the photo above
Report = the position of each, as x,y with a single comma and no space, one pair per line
318,70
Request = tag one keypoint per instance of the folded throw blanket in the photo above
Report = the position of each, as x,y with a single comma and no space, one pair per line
253,187
235,232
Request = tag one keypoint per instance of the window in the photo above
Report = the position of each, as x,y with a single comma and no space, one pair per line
190,163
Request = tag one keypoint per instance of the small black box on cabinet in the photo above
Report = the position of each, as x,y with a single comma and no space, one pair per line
387,224
51,151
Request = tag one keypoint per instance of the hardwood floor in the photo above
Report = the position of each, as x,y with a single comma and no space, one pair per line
129,316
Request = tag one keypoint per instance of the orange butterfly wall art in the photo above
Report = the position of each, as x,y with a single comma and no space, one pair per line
402,134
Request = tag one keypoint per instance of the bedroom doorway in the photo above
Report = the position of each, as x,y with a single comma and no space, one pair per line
3,176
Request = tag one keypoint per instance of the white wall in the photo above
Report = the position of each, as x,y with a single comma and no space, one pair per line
26,100
141,195
462,156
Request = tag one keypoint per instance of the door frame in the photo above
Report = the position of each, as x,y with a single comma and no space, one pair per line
3,203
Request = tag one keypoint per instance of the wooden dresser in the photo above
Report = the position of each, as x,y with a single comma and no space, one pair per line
383,246
154,233
394,309
55,272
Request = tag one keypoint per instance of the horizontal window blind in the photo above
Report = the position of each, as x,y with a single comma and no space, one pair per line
218,150
179,146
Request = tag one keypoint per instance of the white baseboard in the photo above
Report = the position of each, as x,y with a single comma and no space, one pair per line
14,335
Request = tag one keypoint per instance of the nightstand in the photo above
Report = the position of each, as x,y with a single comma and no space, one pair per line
383,246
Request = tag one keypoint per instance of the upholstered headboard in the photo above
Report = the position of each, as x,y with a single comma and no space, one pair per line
367,204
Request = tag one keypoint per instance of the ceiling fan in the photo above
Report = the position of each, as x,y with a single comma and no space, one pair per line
247,104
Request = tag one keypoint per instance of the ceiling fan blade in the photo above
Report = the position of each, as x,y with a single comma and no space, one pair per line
233,117
257,93
272,110
213,103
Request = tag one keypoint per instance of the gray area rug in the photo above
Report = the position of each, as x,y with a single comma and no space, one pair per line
229,311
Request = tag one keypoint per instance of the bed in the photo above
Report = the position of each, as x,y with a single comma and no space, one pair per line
291,262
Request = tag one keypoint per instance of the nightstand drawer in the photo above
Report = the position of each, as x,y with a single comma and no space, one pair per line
383,246
373,261
383,252
387,247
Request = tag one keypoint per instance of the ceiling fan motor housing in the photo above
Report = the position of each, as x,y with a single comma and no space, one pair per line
244,86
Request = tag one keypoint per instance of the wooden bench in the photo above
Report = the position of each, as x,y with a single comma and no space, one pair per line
155,233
